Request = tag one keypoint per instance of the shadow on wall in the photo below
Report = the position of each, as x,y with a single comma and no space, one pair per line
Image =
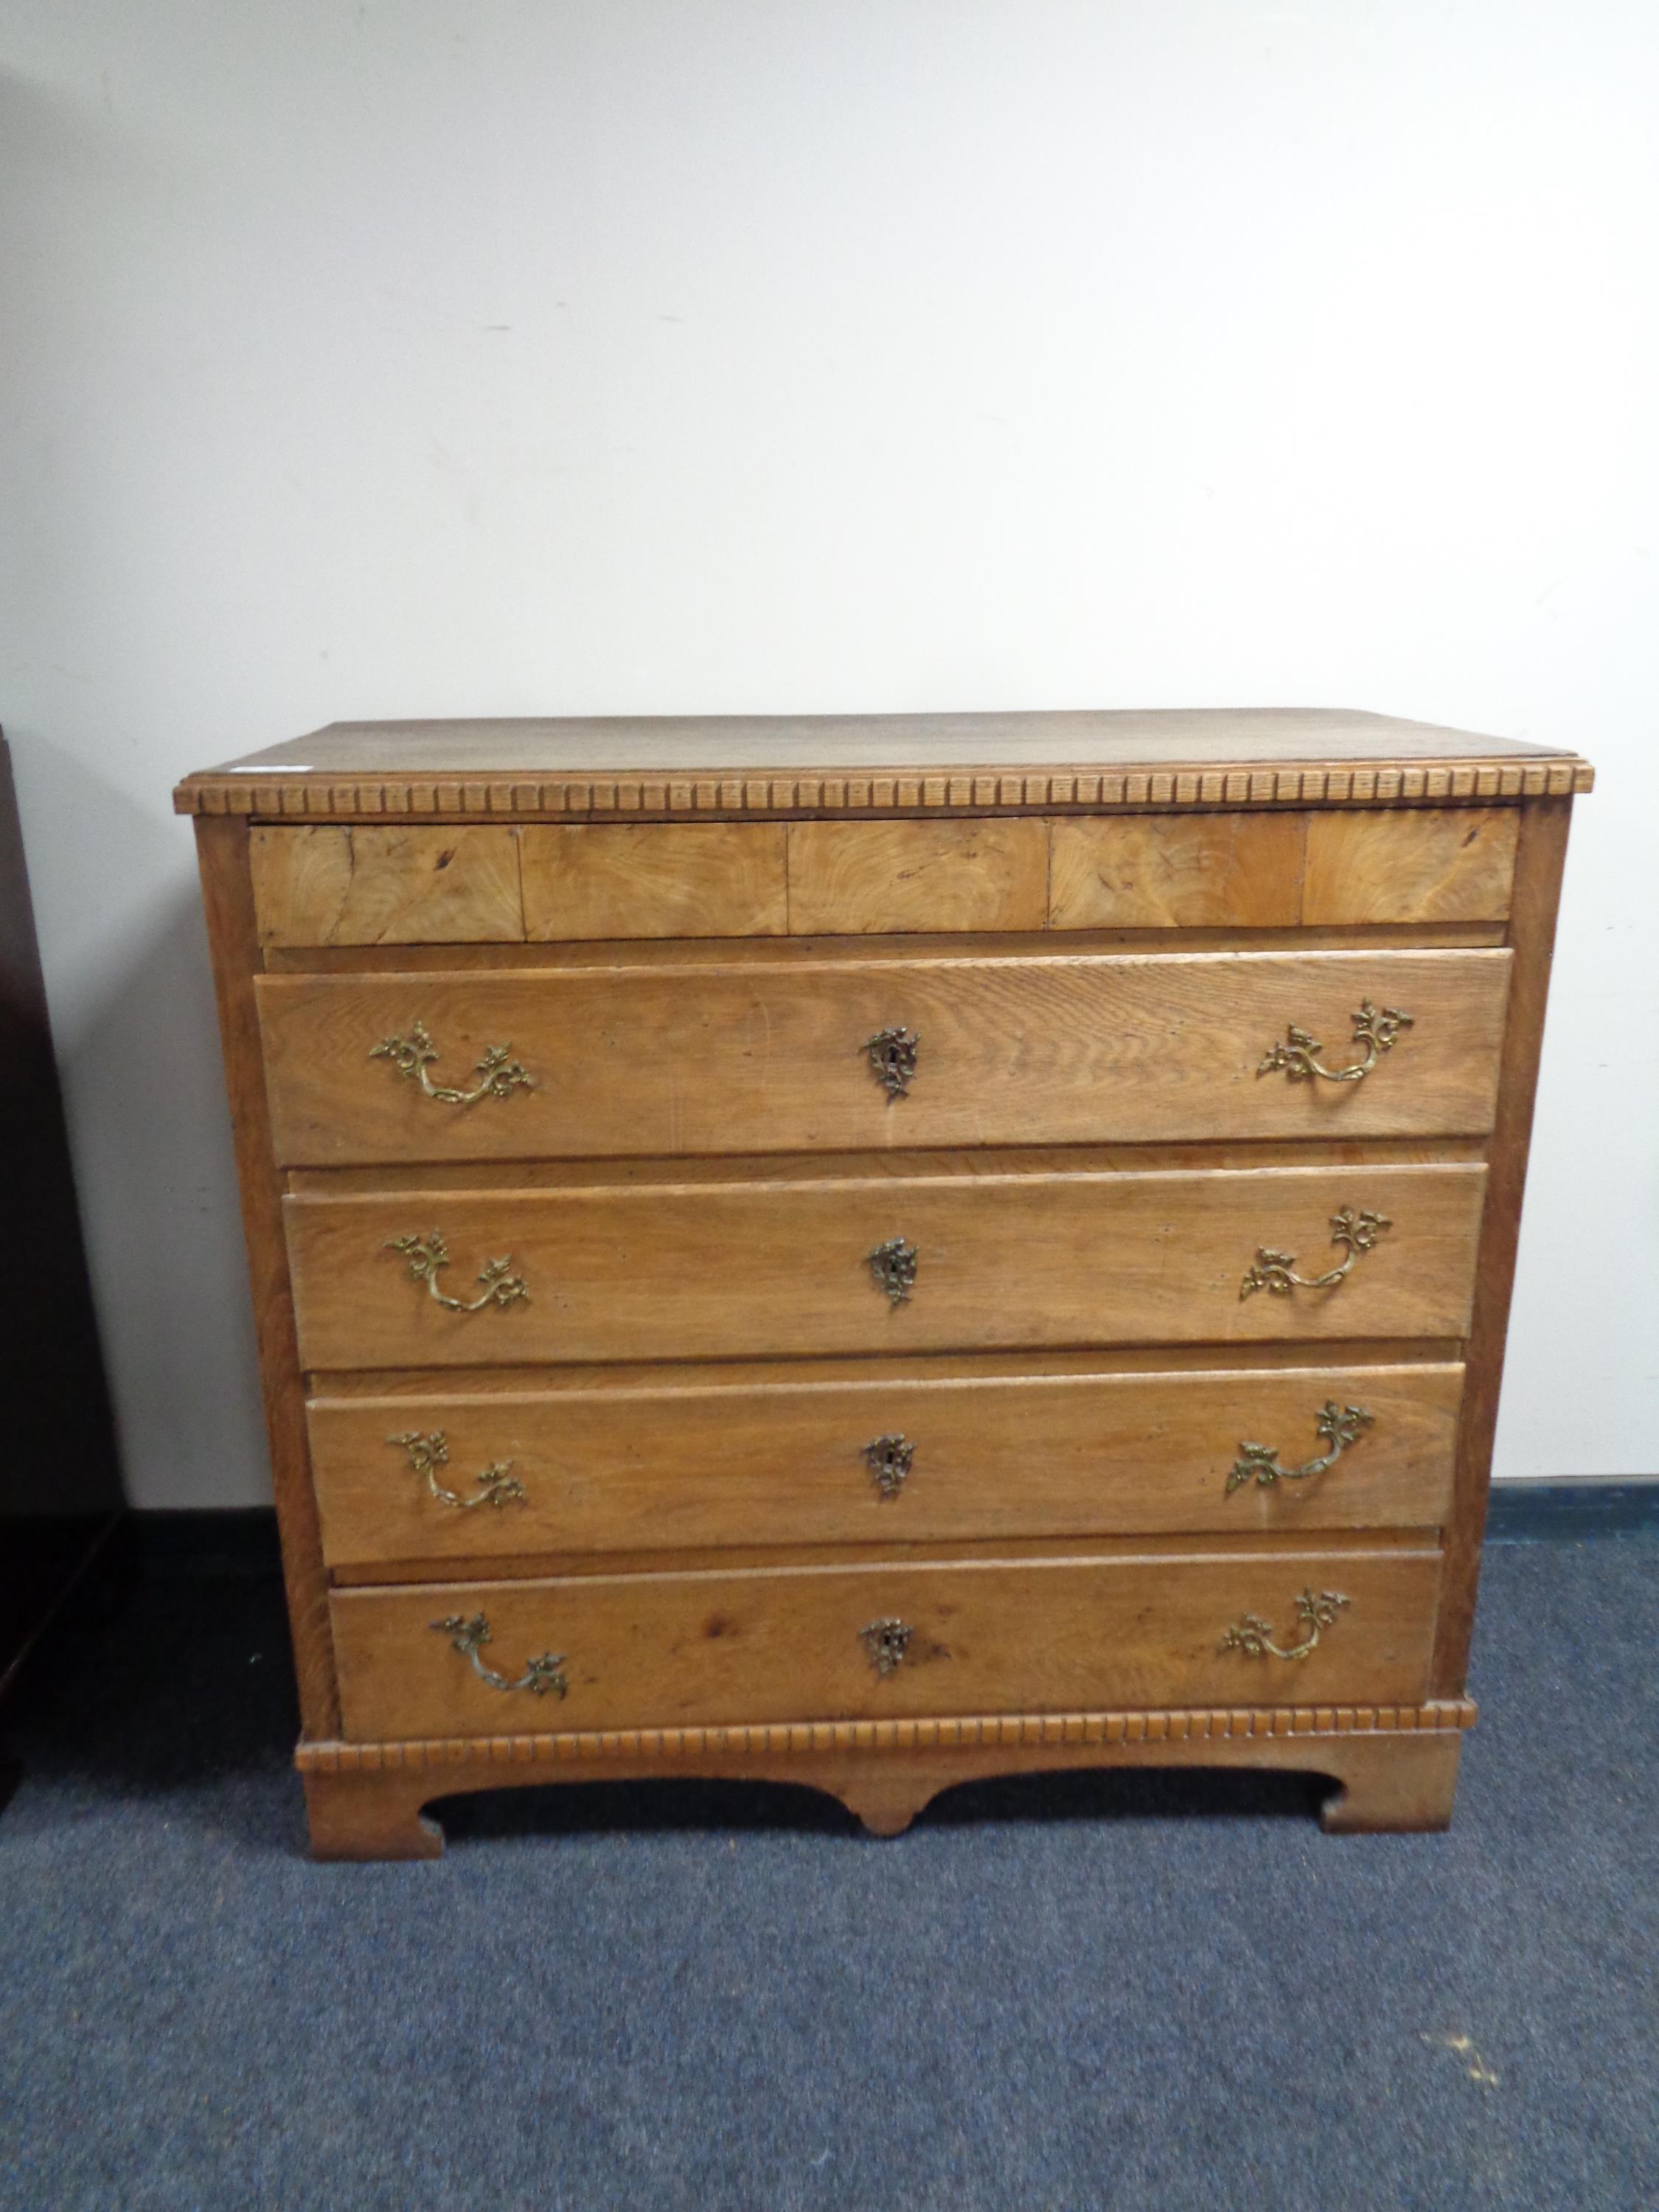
150,1129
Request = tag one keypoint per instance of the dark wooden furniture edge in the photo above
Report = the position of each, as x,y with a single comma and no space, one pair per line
62,1496
72,1550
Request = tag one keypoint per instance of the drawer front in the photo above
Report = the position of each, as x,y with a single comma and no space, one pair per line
343,883
1178,872
866,878
861,1054
653,879
332,884
654,1272
906,1459
1439,864
1320,870
1057,1636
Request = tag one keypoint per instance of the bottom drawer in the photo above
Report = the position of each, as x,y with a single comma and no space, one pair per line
809,1644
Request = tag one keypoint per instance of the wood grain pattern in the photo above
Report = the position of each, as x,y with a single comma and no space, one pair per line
687,953
620,1469
367,886
829,795
365,1800
968,1166
1339,869
671,1650
1442,863
664,768
222,848
779,1268
939,1366
1195,1726
1150,871
1043,1050
1539,861
847,878
360,886
654,879
699,1559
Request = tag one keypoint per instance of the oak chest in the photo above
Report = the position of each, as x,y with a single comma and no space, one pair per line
873,1252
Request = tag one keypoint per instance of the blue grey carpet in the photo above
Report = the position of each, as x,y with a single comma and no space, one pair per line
1157,1992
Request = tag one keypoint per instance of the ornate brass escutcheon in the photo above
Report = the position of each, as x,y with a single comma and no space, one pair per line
893,1059
541,1675
888,1459
1340,1425
893,1265
429,1450
1275,1270
427,1255
1296,1055
886,1642
1255,1637
498,1076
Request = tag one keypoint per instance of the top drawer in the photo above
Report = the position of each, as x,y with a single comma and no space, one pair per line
610,1060
540,883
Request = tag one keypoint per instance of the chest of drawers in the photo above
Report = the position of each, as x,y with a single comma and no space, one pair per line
872,1253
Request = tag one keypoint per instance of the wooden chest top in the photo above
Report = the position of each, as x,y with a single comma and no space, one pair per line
737,766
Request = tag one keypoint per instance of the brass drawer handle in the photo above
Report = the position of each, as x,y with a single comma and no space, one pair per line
498,1076
893,1265
1340,1425
1254,1638
886,1642
888,1459
427,1255
1377,1032
540,1674
893,1060
1275,1271
428,1451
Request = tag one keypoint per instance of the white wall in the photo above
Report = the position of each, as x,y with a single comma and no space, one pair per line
505,356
